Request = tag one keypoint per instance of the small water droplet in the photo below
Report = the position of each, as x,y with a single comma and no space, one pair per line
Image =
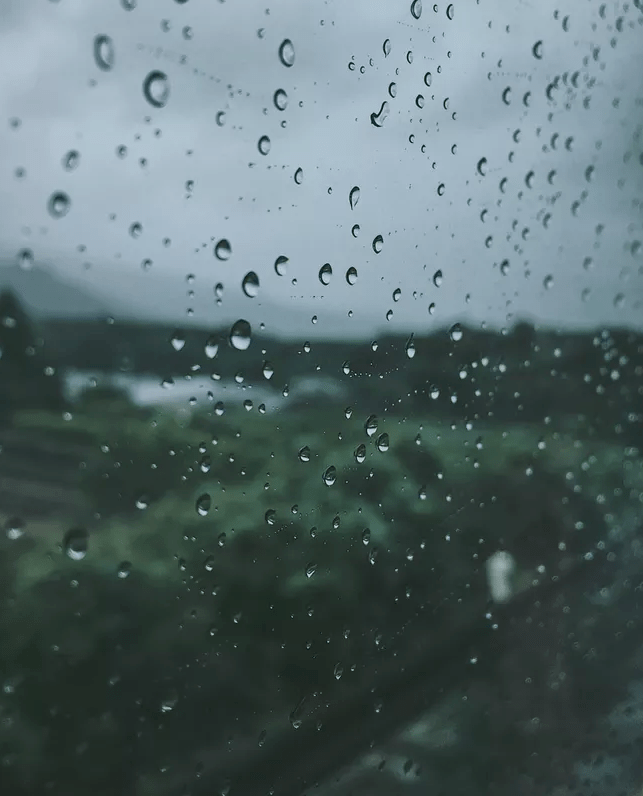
280,99
416,9
75,544
537,49
370,426
104,52
287,53
382,443
59,204
330,475
241,335
410,347
263,145
366,536
351,275
482,167
378,119
156,88
177,340
250,284
311,568
299,176
338,671
548,282
422,493
222,249
353,197
209,563
437,278
203,503
378,244
325,273
136,229
386,47
220,118
304,454
360,453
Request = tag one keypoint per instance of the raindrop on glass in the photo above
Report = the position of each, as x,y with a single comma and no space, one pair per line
263,145
156,88
382,443
75,544
280,98
250,284
377,119
537,49
304,454
211,348
455,332
378,243
386,47
351,275
330,475
59,204
203,503
281,265
325,273
177,340
353,197
287,53
240,335
104,52
71,160
416,9
360,453
370,426
222,249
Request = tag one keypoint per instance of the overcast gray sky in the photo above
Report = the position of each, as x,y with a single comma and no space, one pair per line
224,57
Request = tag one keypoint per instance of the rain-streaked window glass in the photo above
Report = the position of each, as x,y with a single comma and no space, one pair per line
321,397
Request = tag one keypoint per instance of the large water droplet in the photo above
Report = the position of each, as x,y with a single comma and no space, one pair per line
378,243
370,426
281,265
360,453
382,443
325,273
250,284
280,99
351,275
241,335
104,52
330,475
59,204
203,503
263,145
378,119
177,340
304,454
287,52
450,11
156,88
75,544
455,332
222,249
416,9
437,278
353,197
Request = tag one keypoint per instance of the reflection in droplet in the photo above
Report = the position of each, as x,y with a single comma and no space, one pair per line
104,52
177,341
287,53
211,348
280,99
263,145
382,443
75,544
377,119
353,197
250,284
370,426
156,88
222,249
203,503
330,475
281,265
241,335
325,273
455,332
59,204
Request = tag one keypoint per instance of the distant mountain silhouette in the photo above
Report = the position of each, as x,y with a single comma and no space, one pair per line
44,294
